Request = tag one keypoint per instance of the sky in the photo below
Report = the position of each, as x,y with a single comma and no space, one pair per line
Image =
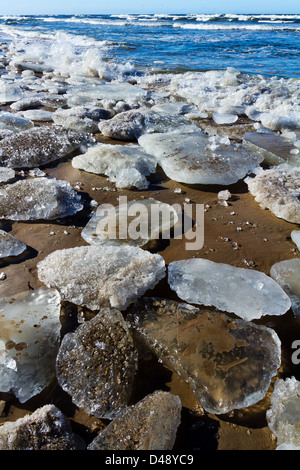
36,7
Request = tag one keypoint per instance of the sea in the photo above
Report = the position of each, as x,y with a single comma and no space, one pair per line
256,44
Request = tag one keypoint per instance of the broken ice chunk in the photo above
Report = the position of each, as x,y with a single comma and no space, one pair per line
126,166
284,414
229,363
295,236
38,198
9,245
44,429
204,282
150,424
29,341
37,146
38,115
98,276
193,158
277,189
287,274
274,148
80,119
6,174
97,363
113,225
220,118
224,195
12,122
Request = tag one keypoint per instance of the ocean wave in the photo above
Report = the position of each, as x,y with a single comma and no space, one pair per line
238,27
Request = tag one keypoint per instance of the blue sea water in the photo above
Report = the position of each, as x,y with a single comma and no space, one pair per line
256,44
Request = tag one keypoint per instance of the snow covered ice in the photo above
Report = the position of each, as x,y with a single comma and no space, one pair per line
38,146
248,293
37,199
195,158
283,416
29,341
44,429
287,274
150,424
126,166
96,364
10,245
106,225
228,363
99,276
277,189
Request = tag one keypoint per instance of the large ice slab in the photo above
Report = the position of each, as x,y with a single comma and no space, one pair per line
274,148
150,424
248,293
44,429
228,363
37,199
150,218
97,363
194,158
284,414
10,245
126,166
99,276
287,274
29,341
37,146
277,189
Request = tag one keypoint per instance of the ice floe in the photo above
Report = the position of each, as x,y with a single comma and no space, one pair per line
229,363
6,174
44,429
13,122
287,274
204,282
277,189
96,364
10,245
275,149
29,341
283,416
38,146
125,165
150,424
112,225
37,199
195,158
100,276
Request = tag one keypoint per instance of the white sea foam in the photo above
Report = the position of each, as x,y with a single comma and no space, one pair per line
239,27
66,54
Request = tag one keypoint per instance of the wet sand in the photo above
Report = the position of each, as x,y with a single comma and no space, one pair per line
261,240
